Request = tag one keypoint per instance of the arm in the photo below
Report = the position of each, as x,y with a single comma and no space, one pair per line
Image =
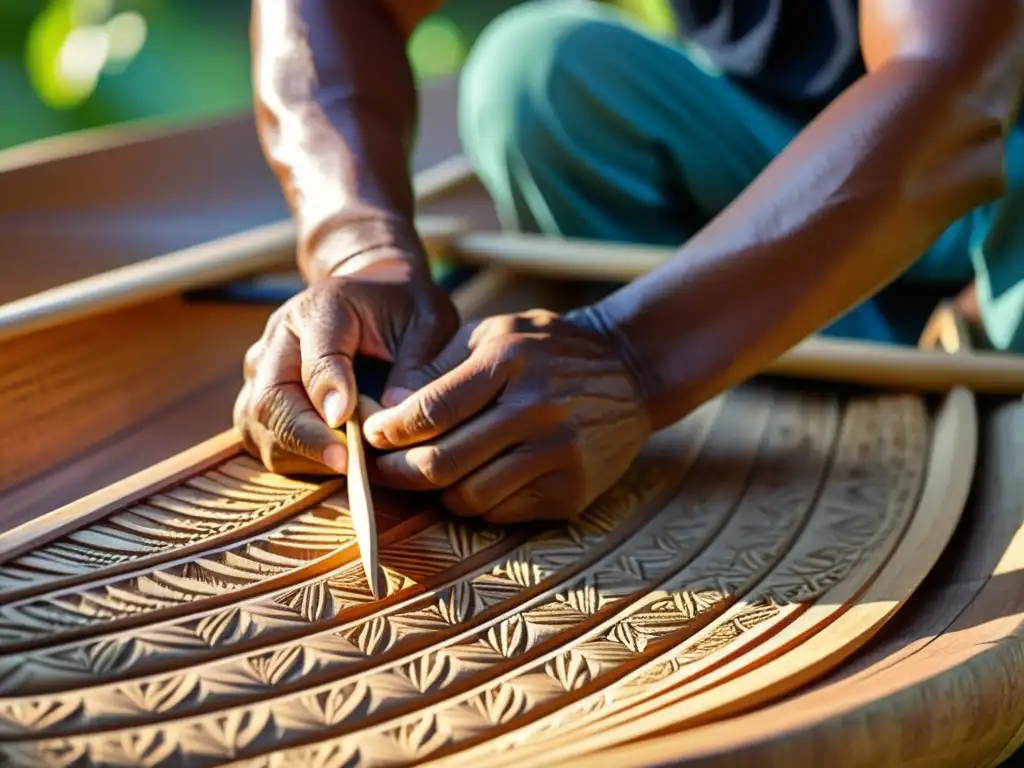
857,197
335,109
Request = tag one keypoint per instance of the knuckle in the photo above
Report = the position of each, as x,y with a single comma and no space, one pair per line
317,304
286,430
321,368
438,466
278,317
267,405
240,411
271,410
432,411
253,355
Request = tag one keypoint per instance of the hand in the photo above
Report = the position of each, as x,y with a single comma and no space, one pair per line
521,417
299,384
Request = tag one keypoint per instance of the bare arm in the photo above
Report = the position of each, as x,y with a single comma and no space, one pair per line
335,108
858,196
336,113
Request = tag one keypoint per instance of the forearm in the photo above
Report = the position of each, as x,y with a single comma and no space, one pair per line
335,106
851,203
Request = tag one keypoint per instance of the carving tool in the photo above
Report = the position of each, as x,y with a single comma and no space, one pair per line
360,504
370,375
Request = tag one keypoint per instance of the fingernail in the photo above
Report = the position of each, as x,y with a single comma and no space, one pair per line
336,457
373,429
334,407
394,396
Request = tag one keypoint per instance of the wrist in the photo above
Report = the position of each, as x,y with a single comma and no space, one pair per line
382,248
597,319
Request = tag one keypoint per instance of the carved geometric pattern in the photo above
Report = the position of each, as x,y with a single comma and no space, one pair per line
261,644
237,494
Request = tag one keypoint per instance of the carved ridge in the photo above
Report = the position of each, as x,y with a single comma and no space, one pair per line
68,560
361,689
654,483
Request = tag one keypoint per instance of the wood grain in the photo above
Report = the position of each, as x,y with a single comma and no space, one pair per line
753,517
752,591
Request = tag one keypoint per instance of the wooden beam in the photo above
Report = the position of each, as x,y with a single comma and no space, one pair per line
816,358
552,257
895,367
273,246
228,258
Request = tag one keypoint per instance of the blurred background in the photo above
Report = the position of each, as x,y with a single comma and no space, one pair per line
67,65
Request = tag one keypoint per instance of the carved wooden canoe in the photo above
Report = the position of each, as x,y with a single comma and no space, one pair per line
802,572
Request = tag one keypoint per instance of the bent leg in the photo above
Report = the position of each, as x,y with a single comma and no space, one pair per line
997,254
581,125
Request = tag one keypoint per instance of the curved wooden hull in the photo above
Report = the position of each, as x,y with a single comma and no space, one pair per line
800,573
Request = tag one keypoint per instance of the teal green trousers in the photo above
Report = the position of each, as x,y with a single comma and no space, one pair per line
582,125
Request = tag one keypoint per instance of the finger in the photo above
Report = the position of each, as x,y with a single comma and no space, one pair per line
455,455
423,356
240,409
484,490
279,460
547,498
328,339
295,428
280,404
441,405
253,356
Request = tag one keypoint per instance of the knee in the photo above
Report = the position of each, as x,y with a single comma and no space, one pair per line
523,78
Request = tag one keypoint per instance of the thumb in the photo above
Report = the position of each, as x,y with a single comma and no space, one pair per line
327,344
418,362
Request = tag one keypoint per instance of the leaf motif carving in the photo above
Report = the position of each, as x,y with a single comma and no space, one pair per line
521,570
148,747
229,626
428,671
420,737
314,602
224,734
510,637
460,604
39,715
111,654
272,668
315,711
466,539
585,598
571,670
499,705
163,694
373,636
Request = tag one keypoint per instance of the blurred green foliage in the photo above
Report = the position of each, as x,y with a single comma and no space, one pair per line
67,65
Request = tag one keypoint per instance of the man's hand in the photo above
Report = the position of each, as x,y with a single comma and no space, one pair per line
521,417
298,377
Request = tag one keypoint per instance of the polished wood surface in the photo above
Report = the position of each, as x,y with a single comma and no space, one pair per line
212,592
795,574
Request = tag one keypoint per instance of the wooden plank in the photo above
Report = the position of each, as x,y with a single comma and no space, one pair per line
81,204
